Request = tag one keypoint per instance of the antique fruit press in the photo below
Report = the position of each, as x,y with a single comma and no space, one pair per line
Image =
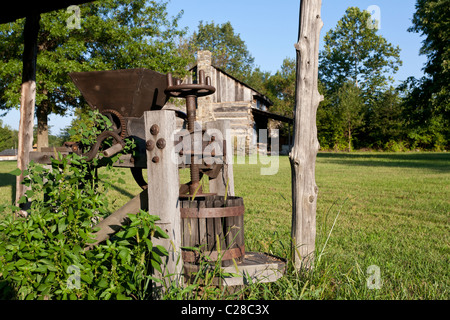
201,226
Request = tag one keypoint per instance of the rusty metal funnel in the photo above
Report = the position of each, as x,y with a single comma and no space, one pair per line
130,91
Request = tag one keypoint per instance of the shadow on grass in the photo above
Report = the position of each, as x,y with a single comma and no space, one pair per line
439,162
7,180
123,191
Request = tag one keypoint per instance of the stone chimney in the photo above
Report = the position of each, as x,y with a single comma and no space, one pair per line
204,110
204,62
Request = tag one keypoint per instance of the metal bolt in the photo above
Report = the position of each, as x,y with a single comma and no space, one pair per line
155,159
154,130
150,145
161,143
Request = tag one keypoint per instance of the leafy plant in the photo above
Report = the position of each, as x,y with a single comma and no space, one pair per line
45,255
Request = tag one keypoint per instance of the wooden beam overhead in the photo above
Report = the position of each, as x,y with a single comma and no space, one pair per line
17,10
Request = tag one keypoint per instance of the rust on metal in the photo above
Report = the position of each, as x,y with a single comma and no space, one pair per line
129,92
154,129
155,159
119,124
92,153
161,143
150,145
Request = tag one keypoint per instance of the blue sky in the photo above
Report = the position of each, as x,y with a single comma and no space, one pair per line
270,28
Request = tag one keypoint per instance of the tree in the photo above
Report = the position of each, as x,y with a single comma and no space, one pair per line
349,110
326,119
8,137
354,51
428,102
229,51
385,122
258,80
113,34
281,88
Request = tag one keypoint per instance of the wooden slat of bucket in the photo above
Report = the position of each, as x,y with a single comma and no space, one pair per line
210,227
219,224
230,231
229,225
203,230
202,227
194,225
185,226
239,223
190,226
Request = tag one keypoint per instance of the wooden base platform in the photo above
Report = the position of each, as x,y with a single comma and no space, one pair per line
256,267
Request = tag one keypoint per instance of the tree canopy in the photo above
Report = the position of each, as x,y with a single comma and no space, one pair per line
113,34
354,51
427,105
361,109
229,51
8,137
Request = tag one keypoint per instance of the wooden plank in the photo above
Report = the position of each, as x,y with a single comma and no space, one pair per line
304,153
258,267
231,108
239,223
202,226
27,100
163,192
247,94
119,218
195,236
210,227
229,232
233,115
219,229
185,228
218,93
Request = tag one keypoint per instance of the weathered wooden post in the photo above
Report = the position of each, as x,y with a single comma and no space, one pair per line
27,99
304,152
162,173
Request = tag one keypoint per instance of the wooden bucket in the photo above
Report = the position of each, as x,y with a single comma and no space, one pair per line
215,227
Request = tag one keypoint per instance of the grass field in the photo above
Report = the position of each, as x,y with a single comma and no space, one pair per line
389,210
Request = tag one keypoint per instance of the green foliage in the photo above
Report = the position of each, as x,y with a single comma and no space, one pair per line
113,34
229,51
427,104
349,109
361,109
395,217
8,137
354,51
44,255
281,88
385,121
431,20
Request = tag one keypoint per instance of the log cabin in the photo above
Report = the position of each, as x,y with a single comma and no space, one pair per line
247,109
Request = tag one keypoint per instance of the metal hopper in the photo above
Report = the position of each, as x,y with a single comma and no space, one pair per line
129,92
